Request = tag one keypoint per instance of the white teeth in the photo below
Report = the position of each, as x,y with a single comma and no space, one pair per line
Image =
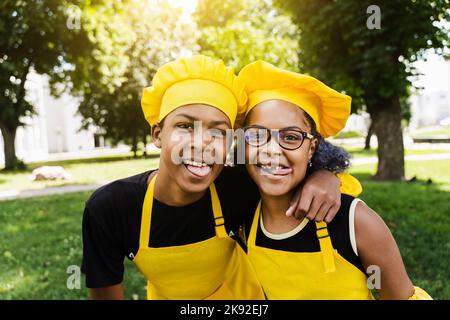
270,168
195,163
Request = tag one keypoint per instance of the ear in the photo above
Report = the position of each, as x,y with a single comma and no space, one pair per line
156,134
312,148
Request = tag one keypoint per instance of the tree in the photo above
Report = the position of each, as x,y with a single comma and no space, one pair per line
242,31
155,34
374,66
33,35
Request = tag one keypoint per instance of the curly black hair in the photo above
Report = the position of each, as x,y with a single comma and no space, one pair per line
327,156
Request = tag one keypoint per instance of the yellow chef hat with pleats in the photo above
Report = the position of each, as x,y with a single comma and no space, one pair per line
195,80
328,108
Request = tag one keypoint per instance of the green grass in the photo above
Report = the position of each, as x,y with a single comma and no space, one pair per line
358,152
83,171
436,170
349,134
86,171
434,131
418,215
41,237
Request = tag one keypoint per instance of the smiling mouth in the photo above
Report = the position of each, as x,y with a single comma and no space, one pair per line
278,171
198,169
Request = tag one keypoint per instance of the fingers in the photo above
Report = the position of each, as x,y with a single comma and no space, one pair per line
294,203
318,212
332,212
316,204
322,213
314,209
323,208
304,205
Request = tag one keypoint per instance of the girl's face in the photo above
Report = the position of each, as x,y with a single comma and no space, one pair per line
193,142
277,170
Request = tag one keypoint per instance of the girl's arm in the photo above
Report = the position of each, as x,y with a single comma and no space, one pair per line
376,247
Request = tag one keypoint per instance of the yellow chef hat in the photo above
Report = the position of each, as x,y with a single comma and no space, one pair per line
198,79
328,108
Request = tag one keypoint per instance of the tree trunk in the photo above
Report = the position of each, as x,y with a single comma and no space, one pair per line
386,120
9,138
144,140
134,145
368,137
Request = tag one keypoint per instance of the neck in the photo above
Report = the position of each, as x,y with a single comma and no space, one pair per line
170,193
274,213
275,206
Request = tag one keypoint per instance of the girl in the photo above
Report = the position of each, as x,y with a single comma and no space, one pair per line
174,223
288,116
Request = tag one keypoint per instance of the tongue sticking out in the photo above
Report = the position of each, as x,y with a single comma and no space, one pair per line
277,171
199,171
282,171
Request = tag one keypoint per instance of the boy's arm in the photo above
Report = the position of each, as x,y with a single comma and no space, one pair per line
319,198
103,255
114,292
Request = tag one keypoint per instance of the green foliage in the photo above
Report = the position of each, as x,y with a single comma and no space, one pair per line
349,134
370,65
33,34
148,36
59,39
244,31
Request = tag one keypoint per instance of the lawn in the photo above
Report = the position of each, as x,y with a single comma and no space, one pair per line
84,171
418,214
358,152
433,131
41,237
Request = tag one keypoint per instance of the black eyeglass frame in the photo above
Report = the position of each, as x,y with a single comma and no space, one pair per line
305,135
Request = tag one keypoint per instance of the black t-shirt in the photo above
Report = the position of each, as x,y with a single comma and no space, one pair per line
112,221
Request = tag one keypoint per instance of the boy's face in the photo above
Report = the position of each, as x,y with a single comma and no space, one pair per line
193,142
275,169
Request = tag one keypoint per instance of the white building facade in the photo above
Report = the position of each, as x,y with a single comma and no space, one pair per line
54,128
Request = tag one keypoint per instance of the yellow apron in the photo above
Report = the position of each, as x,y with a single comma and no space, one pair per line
306,275
216,268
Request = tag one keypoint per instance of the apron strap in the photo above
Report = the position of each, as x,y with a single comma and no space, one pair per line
219,221
326,247
254,227
146,218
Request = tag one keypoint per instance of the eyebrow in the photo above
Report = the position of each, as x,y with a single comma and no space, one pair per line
285,128
212,122
219,122
305,122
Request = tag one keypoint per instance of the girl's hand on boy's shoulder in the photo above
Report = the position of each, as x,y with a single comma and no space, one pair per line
318,199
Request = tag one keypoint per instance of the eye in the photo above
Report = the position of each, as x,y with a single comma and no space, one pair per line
251,136
185,126
290,136
217,133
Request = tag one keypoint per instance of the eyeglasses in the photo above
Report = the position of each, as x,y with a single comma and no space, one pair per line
290,138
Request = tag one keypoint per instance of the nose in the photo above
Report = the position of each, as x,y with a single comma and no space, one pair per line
271,151
273,148
201,138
